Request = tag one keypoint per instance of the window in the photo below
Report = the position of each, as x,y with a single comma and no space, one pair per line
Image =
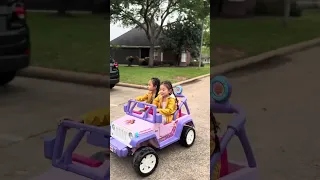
184,57
155,54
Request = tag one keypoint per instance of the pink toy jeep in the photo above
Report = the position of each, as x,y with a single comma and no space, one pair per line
140,133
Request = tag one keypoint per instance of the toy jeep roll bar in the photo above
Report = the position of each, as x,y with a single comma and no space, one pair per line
71,166
220,93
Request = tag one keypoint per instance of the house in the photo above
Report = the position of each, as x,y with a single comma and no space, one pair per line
232,8
135,43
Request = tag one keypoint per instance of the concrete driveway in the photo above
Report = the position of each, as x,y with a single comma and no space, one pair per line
281,98
176,162
29,109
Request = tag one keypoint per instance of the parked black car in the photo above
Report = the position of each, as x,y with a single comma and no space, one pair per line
14,39
114,73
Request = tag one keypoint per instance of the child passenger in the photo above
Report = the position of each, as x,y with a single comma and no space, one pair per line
166,102
153,90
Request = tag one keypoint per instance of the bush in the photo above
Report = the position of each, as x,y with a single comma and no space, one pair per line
136,59
157,63
145,62
130,60
276,9
142,62
170,63
196,64
101,6
296,11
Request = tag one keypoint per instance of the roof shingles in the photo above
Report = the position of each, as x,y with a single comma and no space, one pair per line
135,37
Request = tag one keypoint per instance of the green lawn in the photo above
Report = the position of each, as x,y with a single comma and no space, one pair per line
237,38
78,43
141,75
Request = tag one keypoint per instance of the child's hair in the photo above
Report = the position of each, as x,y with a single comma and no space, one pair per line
215,130
156,82
168,84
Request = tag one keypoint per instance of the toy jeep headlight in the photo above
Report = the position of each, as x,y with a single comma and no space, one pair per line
113,127
130,135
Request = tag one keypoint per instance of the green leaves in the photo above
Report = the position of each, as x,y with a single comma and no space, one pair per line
182,36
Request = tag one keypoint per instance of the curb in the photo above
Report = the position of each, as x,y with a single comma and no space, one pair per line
175,84
65,76
232,66
103,80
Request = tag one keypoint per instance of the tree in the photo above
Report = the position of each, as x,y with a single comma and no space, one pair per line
206,35
151,15
182,36
63,6
286,14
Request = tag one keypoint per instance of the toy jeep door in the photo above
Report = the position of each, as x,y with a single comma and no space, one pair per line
167,130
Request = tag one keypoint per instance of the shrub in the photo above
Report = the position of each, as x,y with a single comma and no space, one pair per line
130,60
136,59
157,63
196,64
276,8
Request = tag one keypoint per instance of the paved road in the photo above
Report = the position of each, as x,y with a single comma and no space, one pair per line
282,104
176,162
29,109
281,101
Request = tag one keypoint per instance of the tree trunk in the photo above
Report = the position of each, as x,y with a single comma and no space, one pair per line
63,6
151,55
286,14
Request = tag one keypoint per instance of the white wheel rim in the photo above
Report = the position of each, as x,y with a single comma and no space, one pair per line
148,163
190,137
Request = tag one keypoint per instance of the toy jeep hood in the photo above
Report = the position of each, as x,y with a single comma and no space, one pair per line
134,124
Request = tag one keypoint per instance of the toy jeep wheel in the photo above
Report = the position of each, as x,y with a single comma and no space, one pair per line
188,136
145,161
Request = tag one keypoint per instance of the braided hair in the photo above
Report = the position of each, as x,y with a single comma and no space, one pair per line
168,84
215,130
156,82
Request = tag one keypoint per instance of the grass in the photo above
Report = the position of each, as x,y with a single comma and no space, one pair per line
76,43
141,75
234,39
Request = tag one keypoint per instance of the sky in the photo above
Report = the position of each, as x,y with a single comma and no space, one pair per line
116,30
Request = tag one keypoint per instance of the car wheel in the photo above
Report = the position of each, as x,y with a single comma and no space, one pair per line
145,161
112,86
188,136
6,77
101,156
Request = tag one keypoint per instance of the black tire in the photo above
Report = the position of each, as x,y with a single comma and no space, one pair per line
6,77
184,135
101,156
112,86
141,154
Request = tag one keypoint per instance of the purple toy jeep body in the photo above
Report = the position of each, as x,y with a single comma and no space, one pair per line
139,133
220,93
65,163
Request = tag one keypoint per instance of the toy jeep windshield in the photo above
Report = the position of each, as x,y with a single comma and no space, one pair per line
140,133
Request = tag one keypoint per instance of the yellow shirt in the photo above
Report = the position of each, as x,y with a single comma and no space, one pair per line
148,98
169,109
98,117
